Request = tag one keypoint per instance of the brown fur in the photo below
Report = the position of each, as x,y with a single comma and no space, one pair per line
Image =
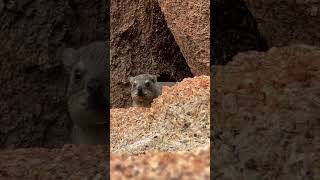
149,89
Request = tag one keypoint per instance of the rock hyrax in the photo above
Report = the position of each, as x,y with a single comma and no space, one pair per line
86,92
145,88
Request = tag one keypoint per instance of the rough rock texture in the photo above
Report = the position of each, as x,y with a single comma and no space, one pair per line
89,162
177,120
189,21
180,118
285,22
267,126
70,162
162,165
141,43
267,123
32,105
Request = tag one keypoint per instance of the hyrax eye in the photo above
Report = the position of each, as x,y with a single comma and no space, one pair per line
147,84
77,74
134,85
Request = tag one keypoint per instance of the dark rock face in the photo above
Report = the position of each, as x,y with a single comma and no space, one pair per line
287,22
68,162
33,106
237,31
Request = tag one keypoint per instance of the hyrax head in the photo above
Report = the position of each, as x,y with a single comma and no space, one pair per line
86,89
144,89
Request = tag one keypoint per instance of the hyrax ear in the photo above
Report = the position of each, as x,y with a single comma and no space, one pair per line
131,79
68,58
153,78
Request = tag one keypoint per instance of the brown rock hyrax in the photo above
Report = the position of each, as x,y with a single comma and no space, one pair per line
86,92
145,88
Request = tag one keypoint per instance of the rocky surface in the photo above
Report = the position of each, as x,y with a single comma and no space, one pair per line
162,165
33,107
267,123
70,162
189,21
90,162
177,120
266,126
285,22
175,143
266,120
141,43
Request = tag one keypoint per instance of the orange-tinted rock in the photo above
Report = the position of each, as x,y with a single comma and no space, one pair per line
189,21
178,120
162,165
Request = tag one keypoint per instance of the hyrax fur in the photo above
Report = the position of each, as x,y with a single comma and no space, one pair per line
86,92
145,88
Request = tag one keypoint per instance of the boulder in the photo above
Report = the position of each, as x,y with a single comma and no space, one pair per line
189,21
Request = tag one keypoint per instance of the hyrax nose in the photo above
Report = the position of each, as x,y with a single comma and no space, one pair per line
93,86
140,91
83,101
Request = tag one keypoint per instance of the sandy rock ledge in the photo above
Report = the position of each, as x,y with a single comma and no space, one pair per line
178,120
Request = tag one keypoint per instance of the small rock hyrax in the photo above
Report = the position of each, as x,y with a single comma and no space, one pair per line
145,88
86,92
